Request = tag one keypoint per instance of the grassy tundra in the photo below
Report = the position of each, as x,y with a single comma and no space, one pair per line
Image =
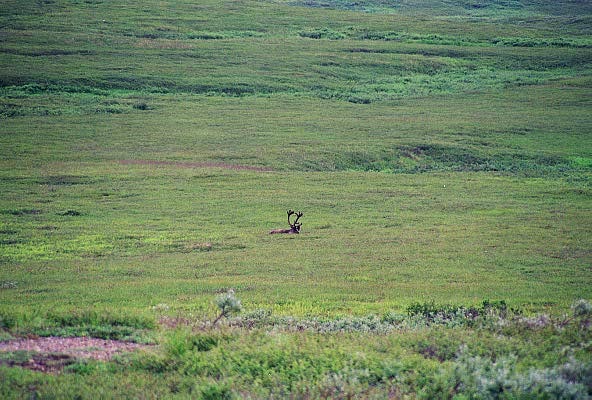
441,152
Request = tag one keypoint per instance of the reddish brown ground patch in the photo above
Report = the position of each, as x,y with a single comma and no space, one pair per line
181,164
42,362
50,354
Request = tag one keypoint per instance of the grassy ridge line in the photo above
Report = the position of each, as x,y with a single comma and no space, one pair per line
347,70
161,51
476,132
483,8
352,71
136,18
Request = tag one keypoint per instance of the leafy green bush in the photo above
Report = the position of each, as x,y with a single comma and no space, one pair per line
178,343
451,315
446,314
216,391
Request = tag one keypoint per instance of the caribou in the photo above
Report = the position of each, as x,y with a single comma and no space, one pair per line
294,226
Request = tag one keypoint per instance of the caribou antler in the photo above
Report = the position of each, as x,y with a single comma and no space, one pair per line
290,213
294,226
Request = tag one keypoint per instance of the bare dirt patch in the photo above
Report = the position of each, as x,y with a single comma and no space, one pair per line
181,164
42,362
50,354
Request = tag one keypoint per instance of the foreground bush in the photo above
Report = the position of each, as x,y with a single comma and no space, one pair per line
483,378
433,351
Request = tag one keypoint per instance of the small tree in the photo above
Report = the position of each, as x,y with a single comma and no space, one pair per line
227,303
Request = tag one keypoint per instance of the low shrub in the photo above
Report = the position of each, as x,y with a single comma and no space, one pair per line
324,33
185,341
484,378
450,315
581,308
418,315
103,325
216,391
143,106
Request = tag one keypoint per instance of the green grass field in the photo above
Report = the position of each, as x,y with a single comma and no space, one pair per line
441,153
